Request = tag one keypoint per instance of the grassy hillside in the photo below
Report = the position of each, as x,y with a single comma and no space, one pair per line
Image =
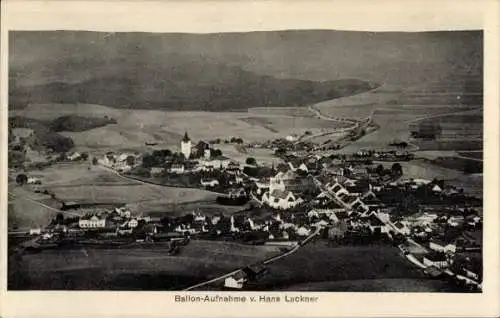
79,123
232,70
43,136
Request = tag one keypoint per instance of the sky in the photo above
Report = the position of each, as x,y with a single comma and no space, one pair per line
242,15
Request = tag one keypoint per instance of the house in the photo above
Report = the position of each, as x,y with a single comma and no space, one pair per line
375,224
292,138
436,259
34,180
237,193
36,231
469,265
262,187
356,204
455,221
73,156
436,188
402,227
177,168
279,199
236,281
133,223
156,171
438,245
219,162
106,160
233,167
92,222
209,183
303,231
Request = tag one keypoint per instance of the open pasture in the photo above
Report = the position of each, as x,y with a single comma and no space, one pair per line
318,263
134,268
281,111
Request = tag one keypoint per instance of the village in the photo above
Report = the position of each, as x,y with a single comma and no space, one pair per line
362,198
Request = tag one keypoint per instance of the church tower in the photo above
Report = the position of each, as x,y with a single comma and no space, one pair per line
186,146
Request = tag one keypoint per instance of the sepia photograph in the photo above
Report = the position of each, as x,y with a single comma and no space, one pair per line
312,160
287,159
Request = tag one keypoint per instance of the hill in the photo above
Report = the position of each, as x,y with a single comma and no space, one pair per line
79,123
231,70
42,137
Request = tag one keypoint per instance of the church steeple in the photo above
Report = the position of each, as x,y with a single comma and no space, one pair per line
186,137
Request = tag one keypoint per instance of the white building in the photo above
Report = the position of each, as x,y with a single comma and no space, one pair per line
92,222
209,183
186,145
237,281
177,168
74,156
435,259
133,223
34,180
281,199
440,246
155,171
292,138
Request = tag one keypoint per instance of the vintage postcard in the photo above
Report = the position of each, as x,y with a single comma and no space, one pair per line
265,158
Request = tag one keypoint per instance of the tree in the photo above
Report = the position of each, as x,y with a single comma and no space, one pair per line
130,160
84,156
396,169
59,218
217,153
94,161
21,179
148,161
251,161
379,169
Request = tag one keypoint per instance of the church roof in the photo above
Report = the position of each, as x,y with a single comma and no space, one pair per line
186,137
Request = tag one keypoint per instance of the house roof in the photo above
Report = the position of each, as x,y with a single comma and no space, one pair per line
350,199
375,221
399,225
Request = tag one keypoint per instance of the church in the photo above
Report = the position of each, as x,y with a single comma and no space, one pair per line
186,145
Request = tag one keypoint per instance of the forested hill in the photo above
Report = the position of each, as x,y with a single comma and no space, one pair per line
230,70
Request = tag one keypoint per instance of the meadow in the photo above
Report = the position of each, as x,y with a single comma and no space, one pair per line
75,183
133,268
319,267
135,128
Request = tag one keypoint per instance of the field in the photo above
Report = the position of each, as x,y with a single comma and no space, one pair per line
136,127
23,214
471,183
318,267
472,154
75,183
134,268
